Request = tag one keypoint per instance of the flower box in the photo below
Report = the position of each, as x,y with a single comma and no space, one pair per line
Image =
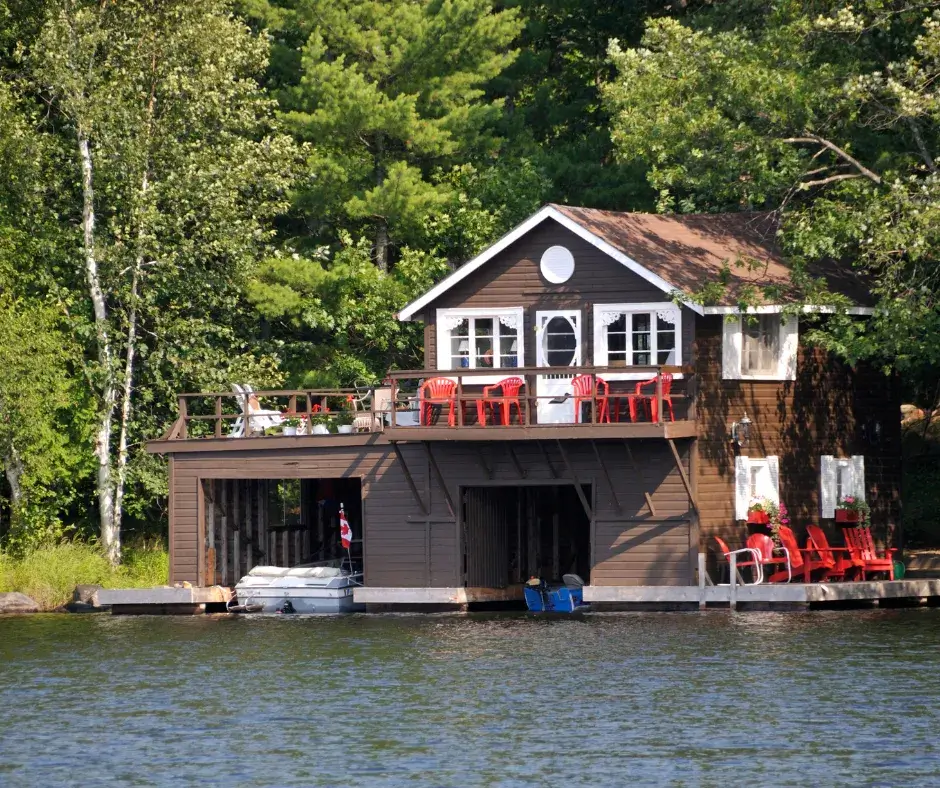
758,518
847,516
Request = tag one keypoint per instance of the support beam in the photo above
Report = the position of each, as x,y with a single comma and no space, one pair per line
411,484
639,475
548,462
610,483
440,478
482,460
515,459
577,485
682,473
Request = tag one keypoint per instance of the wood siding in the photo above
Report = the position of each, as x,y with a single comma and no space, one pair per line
512,279
829,409
403,546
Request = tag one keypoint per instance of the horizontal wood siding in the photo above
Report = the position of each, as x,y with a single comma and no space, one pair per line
631,546
395,548
829,409
403,547
512,279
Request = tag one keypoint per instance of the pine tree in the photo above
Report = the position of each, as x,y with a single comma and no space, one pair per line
385,91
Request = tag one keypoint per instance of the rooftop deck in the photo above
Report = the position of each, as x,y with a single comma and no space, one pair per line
456,405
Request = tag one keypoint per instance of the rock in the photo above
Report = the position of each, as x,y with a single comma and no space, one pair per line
15,602
87,594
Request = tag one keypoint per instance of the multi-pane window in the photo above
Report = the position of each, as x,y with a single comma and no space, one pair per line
640,338
479,342
760,347
560,342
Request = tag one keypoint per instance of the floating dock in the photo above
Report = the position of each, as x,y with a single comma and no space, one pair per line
165,600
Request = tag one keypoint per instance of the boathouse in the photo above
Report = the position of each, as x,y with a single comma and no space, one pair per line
579,410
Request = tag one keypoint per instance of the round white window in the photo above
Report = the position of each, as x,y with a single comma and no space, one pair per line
557,264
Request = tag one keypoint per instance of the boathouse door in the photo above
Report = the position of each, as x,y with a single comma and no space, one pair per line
486,526
558,346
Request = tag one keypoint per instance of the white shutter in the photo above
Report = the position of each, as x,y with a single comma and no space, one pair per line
773,480
742,487
443,344
789,346
858,476
731,349
827,486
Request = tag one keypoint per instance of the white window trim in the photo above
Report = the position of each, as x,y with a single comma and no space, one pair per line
542,317
742,482
444,334
600,335
829,466
733,343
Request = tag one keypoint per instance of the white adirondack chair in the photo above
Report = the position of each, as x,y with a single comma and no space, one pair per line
261,419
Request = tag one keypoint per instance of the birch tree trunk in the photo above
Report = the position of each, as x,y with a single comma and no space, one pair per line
13,467
110,533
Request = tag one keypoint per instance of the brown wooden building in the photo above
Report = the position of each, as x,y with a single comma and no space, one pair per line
459,494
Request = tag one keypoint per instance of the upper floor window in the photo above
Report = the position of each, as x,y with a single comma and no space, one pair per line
479,338
559,343
759,347
637,335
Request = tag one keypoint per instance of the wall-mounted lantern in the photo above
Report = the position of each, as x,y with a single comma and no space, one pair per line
741,431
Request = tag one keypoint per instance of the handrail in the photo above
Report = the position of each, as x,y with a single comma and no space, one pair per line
196,408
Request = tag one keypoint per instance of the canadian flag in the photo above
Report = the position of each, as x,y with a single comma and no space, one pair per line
345,532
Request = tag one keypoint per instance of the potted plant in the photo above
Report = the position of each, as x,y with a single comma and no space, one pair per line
853,510
319,423
764,511
289,425
346,417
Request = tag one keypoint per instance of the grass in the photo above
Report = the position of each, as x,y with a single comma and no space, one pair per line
49,574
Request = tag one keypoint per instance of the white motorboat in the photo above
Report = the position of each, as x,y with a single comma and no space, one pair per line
302,589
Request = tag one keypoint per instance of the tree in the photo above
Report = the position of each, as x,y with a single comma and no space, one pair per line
179,173
825,113
386,92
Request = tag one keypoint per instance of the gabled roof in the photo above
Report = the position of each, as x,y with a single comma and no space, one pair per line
678,253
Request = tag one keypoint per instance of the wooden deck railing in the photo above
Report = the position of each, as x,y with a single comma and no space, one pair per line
398,403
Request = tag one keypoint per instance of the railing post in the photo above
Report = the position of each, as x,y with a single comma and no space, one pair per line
577,416
218,417
701,581
529,396
184,415
659,396
459,401
246,416
394,405
733,585
292,405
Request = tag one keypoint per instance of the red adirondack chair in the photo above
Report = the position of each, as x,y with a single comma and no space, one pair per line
757,574
837,560
508,389
862,549
801,559
648,401
765,548
438,391
584,391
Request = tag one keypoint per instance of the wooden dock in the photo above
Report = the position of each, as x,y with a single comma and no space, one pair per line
163,600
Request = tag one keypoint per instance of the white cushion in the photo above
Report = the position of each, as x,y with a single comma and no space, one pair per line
269,571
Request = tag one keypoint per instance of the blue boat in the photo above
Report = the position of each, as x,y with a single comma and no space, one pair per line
543,598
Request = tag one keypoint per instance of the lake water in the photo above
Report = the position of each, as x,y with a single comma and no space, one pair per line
814,699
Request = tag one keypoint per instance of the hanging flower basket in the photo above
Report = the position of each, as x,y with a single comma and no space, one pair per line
853,510
846,516
758,518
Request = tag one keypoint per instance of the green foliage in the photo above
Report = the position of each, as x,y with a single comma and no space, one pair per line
385,92
341,312
49,574
825,112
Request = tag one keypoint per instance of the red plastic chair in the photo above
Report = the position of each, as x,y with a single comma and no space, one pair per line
801,559
837,560
509,388
584,391
756,569
438,391
862,549
649,400
766,548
